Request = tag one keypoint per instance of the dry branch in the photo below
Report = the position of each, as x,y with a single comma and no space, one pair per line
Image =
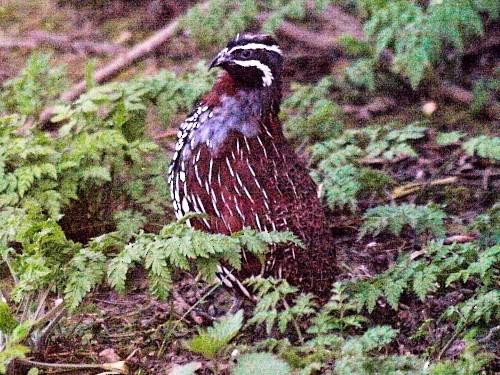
402,191
344,23
117,367
138,52
109,71
310,39
38,39
459,238
454,93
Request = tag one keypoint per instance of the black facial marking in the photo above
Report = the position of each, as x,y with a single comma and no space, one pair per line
264,63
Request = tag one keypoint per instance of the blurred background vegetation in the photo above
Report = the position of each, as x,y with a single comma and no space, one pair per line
393,104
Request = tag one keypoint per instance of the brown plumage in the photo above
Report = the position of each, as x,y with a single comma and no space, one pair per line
233,163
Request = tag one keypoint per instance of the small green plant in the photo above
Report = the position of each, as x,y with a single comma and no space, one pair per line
422,219
37,85
354,355
31,329
260,363
178,246
338,314
443,266
488,225
12,335
483,146
446,139
221,21
211,341
273,308
471,360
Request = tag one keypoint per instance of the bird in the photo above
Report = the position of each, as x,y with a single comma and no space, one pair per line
233,163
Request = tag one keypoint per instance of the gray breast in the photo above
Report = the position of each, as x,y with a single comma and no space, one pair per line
236,113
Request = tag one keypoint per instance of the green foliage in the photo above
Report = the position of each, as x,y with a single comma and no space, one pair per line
482,307
419,36
221,21
363,73
13,336
260,363
9,353
307,112
7,319
471,360
442,267
33,88
488,225
483,146
45,252
178,246
422,219
337,314
273,308
358,354
340,171
211,341
354,359
87,270
92,150
480,97
180,95
446,139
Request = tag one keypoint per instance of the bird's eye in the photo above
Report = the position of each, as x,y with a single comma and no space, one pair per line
246,53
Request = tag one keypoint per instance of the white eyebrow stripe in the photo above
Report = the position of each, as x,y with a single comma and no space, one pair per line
273,48
267,78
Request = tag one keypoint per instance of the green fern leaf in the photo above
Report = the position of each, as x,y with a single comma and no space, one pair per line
211,341
262,364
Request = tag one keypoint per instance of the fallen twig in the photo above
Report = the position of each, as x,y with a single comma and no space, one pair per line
447,345
454,93
491,333
117,367
38,39
459,238
372,161
310,39
166,134
402,191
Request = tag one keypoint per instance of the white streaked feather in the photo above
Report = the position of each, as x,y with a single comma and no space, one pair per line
273,48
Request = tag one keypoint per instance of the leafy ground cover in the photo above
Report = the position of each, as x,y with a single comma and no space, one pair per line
398,119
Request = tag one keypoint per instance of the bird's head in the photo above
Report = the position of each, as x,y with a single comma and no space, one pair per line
253,60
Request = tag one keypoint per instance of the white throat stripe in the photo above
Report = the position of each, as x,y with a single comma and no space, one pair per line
273,48
267,77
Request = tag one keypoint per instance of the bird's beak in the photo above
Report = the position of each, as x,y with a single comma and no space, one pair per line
219,60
